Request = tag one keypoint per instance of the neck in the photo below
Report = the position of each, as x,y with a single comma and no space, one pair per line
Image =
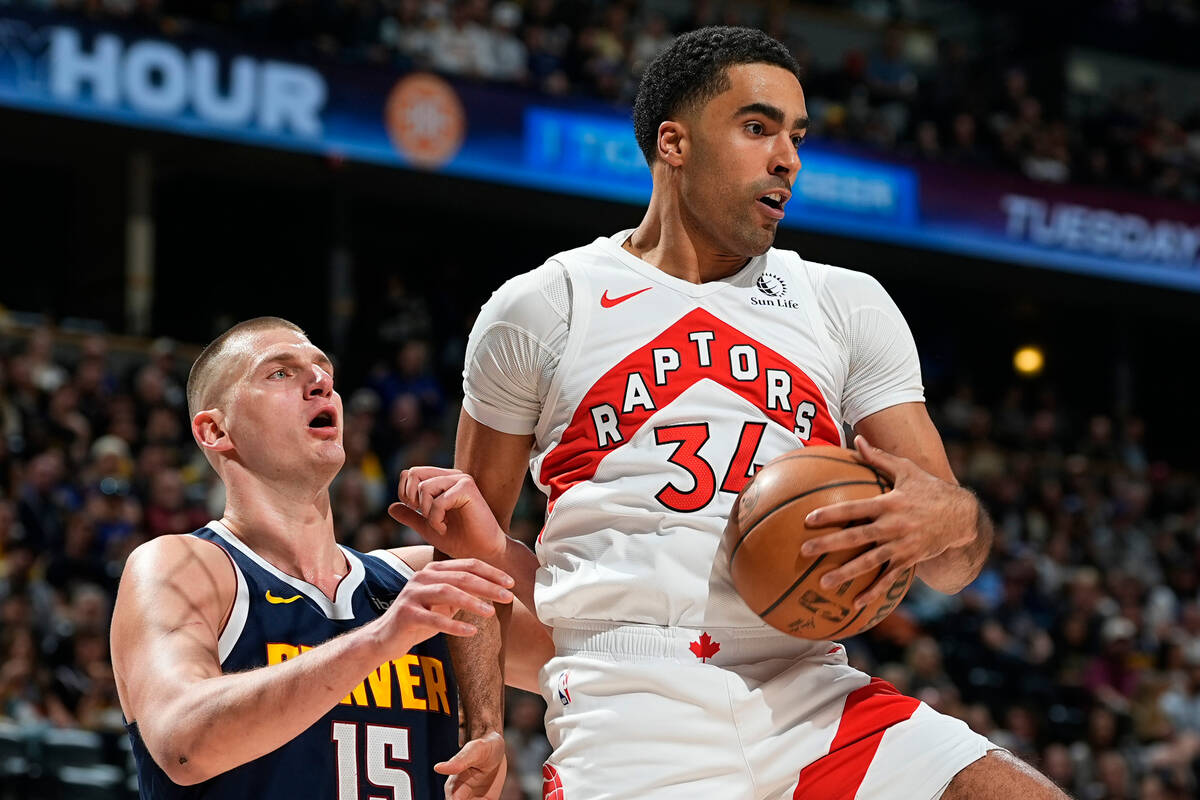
287,523
670,239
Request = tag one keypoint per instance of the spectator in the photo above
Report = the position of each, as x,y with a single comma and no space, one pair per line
461,45
510,59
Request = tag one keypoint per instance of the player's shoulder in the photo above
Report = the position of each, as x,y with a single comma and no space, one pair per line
403,561
174,569
170,553
819,274
830,284
532,299
530,295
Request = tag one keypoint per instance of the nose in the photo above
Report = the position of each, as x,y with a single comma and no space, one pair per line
785,161
320,382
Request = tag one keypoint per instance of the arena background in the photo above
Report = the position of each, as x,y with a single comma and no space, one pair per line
137,220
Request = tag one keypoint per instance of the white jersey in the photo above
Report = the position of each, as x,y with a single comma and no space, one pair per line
652,400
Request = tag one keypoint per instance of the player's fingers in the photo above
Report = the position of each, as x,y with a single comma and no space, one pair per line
446,593
460,761
877,457
424,473
453,497
430,489
845,539
404,490
438,622
483,589
406,516
410,478
876,591
473,753
846,512
474,566
869,561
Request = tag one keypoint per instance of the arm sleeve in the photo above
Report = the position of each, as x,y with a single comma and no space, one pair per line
882,367
514,349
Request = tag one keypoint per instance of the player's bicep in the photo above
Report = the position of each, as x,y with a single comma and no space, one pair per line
496,460
172,601
906,430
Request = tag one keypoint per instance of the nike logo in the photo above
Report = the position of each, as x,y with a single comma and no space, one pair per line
273,599
609,302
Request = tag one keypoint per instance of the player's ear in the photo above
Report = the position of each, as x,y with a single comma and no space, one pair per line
672,142
208,429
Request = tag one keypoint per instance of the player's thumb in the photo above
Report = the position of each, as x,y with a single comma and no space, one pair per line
877,457
407,516
462,760
451,767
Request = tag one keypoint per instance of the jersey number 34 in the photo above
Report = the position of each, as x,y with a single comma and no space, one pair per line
687,439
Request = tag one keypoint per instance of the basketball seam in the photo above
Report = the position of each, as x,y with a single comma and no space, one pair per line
880,477
792,588
878,575
791,500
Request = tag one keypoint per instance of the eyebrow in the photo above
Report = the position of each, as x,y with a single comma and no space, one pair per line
772,113
289,357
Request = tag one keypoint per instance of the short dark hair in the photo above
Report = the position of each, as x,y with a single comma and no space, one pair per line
204,372
693,71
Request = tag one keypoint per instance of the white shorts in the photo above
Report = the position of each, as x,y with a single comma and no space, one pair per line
638,711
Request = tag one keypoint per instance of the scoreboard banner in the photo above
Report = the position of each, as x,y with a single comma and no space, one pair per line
221,90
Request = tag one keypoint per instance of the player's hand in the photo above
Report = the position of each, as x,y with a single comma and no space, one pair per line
477,770
921,518
448,510
434,594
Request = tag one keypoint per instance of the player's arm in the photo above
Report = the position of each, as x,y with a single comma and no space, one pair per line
468,510
197,722
478,769
927,520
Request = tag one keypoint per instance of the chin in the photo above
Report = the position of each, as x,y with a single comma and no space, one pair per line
758,242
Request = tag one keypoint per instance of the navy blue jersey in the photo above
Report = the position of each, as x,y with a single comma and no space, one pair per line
382,740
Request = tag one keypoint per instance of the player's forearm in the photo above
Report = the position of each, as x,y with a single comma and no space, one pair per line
954,569
522,565
219,723
479,670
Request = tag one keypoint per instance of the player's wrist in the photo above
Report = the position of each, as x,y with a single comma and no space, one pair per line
484,728
383,640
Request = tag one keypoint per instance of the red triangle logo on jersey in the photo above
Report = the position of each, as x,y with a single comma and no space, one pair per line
579,451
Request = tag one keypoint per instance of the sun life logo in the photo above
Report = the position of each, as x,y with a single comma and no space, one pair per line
771,284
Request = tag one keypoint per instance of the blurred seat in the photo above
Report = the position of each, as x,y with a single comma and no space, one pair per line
14,760
97,782
64,747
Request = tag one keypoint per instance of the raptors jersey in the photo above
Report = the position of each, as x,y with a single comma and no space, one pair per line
653,400
381,740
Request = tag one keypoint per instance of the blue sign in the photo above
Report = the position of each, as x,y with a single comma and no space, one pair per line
64,65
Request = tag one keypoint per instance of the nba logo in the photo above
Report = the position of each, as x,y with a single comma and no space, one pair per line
564,694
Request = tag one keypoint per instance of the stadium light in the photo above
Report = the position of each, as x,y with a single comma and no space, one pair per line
1029,360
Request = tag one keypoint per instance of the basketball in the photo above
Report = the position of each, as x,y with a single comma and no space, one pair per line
765,533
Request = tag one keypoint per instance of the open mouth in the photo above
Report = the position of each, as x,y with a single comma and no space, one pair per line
773,200
322,420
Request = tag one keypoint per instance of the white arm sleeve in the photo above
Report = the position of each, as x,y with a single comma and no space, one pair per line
882,368
514,349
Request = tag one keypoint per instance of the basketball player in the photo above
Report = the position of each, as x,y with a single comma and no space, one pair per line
256,657
644,376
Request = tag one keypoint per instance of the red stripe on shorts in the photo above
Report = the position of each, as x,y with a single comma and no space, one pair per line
869,712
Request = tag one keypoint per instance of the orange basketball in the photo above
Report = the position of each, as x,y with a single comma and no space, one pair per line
766,530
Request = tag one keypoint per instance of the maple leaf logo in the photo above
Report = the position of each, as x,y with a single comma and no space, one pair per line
705,648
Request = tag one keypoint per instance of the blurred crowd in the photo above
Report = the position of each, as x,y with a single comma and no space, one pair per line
1078,647
1001,102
